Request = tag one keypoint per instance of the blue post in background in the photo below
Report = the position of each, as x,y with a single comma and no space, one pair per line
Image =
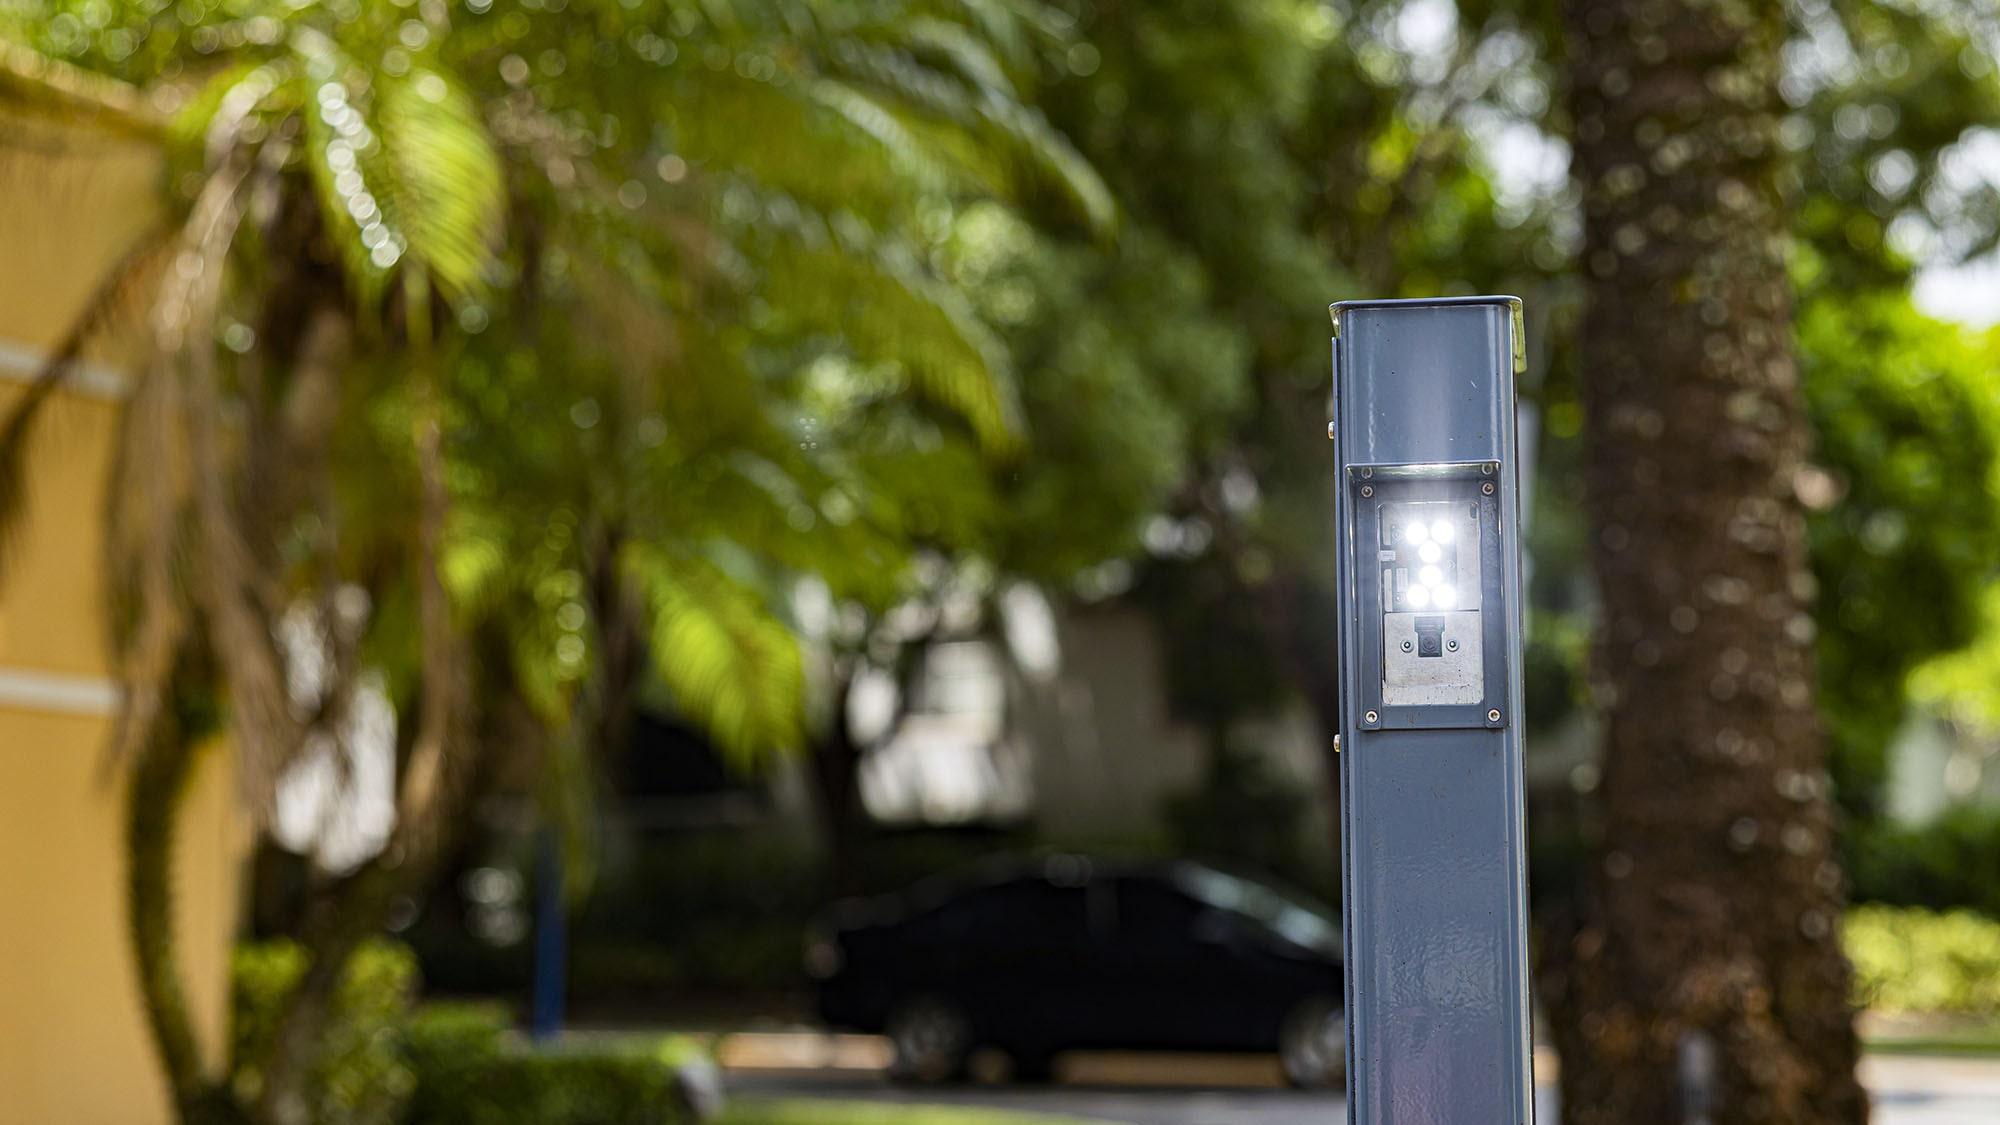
551,968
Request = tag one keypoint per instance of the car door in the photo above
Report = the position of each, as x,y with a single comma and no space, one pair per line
1175,970
1017,960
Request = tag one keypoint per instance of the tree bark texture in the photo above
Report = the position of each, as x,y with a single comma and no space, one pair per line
1710,925
159,783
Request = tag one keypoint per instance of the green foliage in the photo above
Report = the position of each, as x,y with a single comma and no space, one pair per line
704,911
1125,378
1243,813
470,1072
383,1063
1551,661
1919,961
735,669
696,912
1907,527
1949,863
359,1076
687,269
1889,95
1219,663
1964,685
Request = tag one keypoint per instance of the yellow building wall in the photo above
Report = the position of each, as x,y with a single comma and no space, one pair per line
73,1044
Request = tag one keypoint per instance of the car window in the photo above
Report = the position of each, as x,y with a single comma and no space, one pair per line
1299,924
1024,911
1154,915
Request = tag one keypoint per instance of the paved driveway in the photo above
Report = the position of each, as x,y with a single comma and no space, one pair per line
1907,1090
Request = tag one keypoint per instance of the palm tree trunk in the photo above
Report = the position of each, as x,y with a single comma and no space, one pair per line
158,786
1710,928
833,767
434,789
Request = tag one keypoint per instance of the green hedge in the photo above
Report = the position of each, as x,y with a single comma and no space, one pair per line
362,1076
471,1072
1910,960
1953,862
721,910
384,1064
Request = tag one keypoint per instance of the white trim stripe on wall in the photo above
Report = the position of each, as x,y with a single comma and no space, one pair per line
56,692
20,363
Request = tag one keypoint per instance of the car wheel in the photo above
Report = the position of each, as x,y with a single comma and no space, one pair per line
1312,1047
931,1041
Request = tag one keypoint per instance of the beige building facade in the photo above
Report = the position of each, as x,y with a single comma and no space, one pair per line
73,1045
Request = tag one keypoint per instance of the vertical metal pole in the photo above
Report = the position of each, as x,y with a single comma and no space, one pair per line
551,963
1433,848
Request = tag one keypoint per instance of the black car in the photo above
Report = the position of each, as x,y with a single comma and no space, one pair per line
1067,953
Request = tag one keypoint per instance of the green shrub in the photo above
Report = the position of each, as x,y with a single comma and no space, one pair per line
470,1071
1949,863
1909,960
693,912
361,1076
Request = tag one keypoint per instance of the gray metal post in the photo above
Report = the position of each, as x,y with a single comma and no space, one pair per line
1433,849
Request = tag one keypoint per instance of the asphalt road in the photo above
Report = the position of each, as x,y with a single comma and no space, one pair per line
1907,1091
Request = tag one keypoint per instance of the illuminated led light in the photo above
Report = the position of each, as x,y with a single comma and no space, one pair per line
1430,576
1416,533
1446,597
1417,596
1429,552
1441,531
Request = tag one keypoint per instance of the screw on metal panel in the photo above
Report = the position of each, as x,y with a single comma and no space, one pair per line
1450,646
1487,488
1407,646
1493,716
1372,717
1366,473
1487,468
1367,490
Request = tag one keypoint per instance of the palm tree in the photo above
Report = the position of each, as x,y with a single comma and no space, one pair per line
1712,926
467,311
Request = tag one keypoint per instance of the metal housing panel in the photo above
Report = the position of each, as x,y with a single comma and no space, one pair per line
1433,848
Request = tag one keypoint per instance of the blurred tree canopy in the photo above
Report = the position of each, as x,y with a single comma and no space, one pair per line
1906,529
504,349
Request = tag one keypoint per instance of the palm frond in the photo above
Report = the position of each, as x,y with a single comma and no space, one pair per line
406,173
731,665
970,55
445,192
876,293
144,543
842,149
1040,155
112,296
1010,27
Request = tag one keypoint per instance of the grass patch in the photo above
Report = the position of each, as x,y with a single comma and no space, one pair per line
788,1112
1983,1040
